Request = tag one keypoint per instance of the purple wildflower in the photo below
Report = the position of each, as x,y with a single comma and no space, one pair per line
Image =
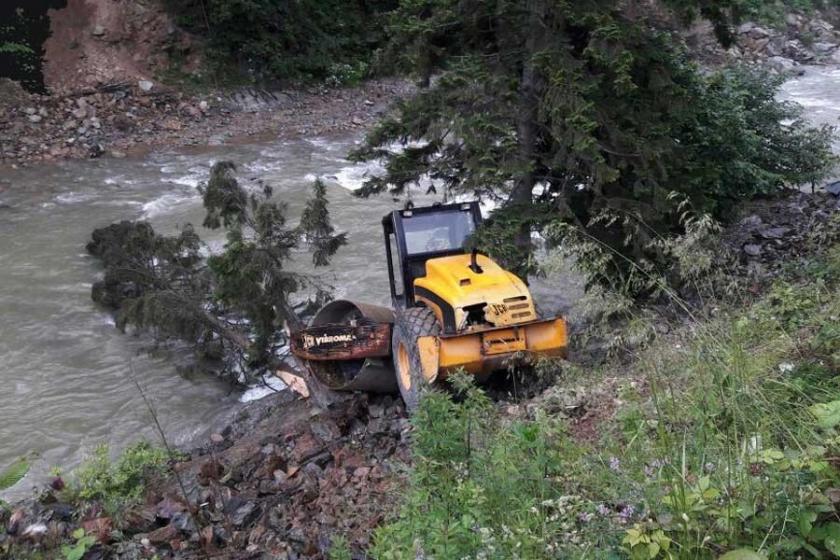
602,510
615,464
626,513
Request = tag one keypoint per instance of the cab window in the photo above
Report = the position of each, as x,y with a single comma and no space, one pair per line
437,232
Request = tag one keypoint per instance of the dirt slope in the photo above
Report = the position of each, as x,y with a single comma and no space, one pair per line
95,42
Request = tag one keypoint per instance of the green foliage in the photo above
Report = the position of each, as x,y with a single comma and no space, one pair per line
340,550
120,482
586,124
24,26
317,229
275,40
250,274
724,445
773,12
231,306
13,474
10,47
481,488
78,550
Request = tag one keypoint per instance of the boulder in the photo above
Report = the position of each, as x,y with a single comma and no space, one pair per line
163,535
823,48
793,19
780,64
752,250
777,232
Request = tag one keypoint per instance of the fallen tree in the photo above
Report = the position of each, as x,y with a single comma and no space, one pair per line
235,307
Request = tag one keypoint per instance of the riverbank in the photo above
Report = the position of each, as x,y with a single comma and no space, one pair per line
283,479
123,119
795,40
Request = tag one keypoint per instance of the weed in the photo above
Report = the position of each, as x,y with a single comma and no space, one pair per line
122,481
340,549
11,476
78,550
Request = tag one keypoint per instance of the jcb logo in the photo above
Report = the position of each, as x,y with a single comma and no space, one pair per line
498,308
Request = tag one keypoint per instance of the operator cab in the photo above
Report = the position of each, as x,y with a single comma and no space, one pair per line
415,235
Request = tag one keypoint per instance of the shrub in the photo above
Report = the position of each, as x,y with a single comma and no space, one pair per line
272,40
122,481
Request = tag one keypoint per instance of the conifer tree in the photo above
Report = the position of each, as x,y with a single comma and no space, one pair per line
583,114
235,305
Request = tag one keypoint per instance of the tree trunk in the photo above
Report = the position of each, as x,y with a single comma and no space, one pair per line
526,128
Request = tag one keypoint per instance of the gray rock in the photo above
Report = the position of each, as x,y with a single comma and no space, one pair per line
752,220
30,110
80,113
204,106
96,150
775,47
145,85
98,31
182,520
35,118
833,188
35,531
376,410
774,232
244,514
780,64
752,250
824,48
820,26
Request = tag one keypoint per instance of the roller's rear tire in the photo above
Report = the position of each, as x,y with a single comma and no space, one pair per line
411,324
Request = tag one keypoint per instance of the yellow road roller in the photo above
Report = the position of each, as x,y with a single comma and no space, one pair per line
453,309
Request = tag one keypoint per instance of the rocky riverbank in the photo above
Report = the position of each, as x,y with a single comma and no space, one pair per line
801,39
122,118
282,480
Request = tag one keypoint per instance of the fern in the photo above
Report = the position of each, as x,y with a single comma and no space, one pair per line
13,474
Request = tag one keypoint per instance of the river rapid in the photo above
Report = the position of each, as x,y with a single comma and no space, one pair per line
64,384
